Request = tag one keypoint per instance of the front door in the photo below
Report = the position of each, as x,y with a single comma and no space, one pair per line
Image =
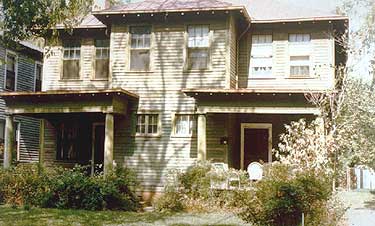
255,143
97,156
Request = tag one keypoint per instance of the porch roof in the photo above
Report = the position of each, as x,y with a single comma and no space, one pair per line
262,101
68,101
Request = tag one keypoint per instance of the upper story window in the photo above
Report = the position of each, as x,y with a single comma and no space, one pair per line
184,124
299,38
198,52
147,124
38,76
300,55
261,55
71,59
101,59
140,38
11,72
299,66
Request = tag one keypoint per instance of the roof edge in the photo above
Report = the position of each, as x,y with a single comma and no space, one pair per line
302,19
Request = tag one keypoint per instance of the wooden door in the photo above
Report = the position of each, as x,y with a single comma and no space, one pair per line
256,145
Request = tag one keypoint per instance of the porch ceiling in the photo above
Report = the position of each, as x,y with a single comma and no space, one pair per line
73,101
262,101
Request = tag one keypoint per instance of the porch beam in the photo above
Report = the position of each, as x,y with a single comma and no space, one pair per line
258,110
202,146
108,143
9,141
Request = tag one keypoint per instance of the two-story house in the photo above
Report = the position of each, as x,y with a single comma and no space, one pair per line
160,84
21,70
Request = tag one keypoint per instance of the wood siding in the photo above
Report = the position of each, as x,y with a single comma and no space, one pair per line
29,127
321,58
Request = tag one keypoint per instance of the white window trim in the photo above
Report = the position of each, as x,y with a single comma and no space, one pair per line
253,76
62,64
93,74
174,120
9,52
186,49
35,67
151,48
159,126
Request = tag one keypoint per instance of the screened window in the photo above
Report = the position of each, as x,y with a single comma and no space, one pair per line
101,59
184,124
67,141
38,77
261,56
147,124
299,38
10,76
140,48
299,66
198,47
71,60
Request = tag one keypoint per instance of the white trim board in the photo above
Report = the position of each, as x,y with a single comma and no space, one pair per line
256,126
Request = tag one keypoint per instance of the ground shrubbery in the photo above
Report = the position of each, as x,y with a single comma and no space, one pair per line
68,188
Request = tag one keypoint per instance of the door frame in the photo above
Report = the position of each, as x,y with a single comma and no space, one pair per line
94,124
256,126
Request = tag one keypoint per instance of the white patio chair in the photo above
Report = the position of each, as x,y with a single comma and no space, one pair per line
220,167
255,171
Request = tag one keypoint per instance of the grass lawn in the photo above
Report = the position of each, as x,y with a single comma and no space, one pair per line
56,217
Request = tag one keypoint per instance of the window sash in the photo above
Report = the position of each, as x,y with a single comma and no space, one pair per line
198,58
38,77
300,66
261,66
184,124
265,39
71,69
11,65
147,124
140,37
198,36
72,53
299,38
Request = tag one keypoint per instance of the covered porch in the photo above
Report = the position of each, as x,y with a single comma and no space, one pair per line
238,127
77,127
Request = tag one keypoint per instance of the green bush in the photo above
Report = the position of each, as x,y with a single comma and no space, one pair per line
170,201
196,180
68,188
282,196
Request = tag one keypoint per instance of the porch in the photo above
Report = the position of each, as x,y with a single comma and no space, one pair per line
238,127
77,126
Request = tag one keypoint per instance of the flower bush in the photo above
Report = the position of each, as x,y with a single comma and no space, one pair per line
68,188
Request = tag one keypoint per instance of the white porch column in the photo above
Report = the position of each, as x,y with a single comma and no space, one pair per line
202,146
9,141
108,142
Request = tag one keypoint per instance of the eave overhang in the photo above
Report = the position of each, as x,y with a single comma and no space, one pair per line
114,101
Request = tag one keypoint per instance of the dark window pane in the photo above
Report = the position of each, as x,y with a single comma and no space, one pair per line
102,43
10,82
198,58
101,68
71,69
140,60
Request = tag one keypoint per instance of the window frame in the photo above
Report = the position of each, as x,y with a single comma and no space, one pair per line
95,58
194,125
146,134
300,65
17,133
41,76
264,56
7,53
150,48
63,48
186,66
300,49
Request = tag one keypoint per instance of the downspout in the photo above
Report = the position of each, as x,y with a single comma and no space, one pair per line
238,50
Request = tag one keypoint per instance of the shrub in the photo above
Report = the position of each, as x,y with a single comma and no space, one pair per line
170,201
196,180
68,188
281,197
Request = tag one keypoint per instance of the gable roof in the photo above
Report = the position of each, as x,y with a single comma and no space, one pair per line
260,11
268,11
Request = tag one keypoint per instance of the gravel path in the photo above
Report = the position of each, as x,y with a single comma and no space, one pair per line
362,208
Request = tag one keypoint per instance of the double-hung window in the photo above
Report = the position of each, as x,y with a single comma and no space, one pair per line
11,72
140,43
261,56
71,59
198,51
147,124
101,59
184,124
16,138
38,76
299,53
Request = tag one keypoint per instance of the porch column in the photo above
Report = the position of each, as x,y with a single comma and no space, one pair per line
202,146
108,142
9,141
